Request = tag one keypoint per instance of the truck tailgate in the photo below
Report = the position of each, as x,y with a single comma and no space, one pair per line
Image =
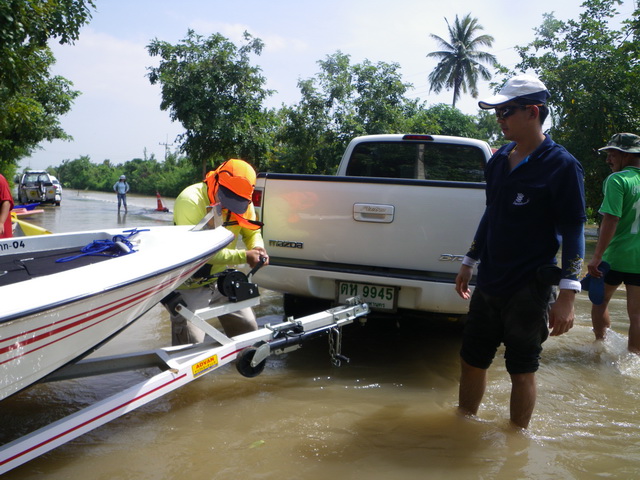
354,222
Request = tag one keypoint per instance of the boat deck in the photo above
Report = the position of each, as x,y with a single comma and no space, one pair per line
24,266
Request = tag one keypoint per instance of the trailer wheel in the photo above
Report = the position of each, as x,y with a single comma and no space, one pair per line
243,363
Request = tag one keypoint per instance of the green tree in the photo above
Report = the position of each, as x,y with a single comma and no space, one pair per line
175,173
447,120
380,105
31,114
592,72
419,119
488,128
102,178
145,176
76,173
452,121
30,98
461,63
302,131
210,86
26,27
338,103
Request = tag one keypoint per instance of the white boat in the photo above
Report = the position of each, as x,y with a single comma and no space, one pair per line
52,313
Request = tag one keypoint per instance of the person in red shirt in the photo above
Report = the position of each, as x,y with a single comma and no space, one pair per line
6,204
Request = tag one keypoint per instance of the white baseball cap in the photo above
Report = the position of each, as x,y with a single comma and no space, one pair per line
527,89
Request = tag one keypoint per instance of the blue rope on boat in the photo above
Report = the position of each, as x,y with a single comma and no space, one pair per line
119,245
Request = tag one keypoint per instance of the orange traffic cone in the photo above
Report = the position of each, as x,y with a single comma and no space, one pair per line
161,208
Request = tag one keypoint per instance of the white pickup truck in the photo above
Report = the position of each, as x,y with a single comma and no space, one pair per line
392,226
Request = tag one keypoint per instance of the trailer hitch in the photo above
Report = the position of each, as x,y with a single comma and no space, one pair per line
290,335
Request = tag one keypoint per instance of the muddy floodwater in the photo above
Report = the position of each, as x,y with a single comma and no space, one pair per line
388,414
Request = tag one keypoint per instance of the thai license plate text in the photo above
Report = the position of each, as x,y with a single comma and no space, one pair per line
379,297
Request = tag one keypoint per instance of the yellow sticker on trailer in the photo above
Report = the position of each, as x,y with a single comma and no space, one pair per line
204,366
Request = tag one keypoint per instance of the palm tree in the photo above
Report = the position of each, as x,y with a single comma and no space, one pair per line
460,61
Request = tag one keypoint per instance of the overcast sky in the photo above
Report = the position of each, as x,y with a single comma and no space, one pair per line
118,116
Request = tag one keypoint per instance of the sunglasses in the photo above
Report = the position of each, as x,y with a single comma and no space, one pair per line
506,112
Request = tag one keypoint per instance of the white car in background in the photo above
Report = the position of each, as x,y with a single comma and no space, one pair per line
38,186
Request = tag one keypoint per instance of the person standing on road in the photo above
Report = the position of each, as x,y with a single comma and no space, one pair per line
6,204
121,187
619,242
231,185
534,198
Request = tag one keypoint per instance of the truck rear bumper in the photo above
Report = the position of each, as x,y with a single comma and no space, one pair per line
421,295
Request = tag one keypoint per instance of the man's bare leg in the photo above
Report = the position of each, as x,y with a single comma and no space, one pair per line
523,398
473,382
633,308
600,313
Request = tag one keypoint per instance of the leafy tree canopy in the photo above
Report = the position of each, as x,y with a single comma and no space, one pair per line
339,103
210,86
31,99
26,27
593,73
146,176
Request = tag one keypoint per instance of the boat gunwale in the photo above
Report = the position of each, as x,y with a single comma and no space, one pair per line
80,298
26,313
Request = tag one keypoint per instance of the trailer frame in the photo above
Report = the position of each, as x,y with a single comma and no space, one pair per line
179,366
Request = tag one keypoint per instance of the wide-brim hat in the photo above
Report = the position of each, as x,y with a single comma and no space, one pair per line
524,89
625,142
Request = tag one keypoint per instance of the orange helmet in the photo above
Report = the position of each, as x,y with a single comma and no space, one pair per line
232,185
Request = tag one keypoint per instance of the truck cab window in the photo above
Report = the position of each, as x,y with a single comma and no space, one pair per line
418,160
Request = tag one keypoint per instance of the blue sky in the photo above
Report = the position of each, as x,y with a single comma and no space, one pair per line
118,115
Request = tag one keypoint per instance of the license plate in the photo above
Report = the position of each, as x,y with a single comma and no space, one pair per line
379,297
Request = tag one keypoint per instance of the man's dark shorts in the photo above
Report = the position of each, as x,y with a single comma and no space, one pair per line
519,321
615,277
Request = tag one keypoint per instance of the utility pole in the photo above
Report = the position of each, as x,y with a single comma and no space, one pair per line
166,147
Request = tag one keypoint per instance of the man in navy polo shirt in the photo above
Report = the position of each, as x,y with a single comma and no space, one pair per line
534,203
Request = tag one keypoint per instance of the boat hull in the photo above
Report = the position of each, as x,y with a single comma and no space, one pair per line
81,308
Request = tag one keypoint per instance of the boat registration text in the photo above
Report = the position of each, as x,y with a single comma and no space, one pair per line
12,245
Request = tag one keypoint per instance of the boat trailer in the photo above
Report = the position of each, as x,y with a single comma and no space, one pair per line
180,365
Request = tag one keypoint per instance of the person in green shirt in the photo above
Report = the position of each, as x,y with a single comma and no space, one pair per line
231,185
619,240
